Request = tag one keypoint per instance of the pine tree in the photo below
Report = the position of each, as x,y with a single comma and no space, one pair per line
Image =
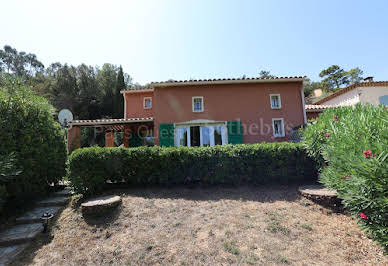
118,99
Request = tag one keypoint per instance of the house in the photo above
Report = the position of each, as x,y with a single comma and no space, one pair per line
369,91
206,113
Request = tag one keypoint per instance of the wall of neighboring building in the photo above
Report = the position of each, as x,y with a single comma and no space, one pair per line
374,95
348,98
134,104
248,102
312,115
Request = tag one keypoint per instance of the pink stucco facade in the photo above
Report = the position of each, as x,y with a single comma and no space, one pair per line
246,102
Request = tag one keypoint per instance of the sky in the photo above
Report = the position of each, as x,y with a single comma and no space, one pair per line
182,39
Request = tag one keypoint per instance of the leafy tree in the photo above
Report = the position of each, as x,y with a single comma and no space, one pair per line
19,63
310,86
106,80
265,74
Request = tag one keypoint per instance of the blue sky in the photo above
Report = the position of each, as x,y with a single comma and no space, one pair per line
160,40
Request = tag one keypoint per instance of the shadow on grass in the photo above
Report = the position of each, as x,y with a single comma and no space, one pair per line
263,193
103,220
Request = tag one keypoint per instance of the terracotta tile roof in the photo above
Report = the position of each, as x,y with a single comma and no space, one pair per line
353,86
137,90
110,121
318,108
225,81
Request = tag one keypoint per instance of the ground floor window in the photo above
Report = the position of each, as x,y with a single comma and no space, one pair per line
200,135
278,127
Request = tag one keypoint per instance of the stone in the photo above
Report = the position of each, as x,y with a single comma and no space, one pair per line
8,254
101,205
34,215
56,201
317,190
321,195
20,234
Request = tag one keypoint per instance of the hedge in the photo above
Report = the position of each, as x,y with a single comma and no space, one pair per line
265,163
352,142
35,140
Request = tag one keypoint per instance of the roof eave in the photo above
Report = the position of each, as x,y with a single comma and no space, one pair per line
220,82
108,122
136,91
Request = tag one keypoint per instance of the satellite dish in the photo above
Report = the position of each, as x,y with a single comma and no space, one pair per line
65,116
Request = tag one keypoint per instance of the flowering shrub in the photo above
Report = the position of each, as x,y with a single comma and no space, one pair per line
355,155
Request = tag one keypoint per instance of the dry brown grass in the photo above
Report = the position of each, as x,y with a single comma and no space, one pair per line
215,226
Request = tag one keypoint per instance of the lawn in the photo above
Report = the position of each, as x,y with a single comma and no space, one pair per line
216,226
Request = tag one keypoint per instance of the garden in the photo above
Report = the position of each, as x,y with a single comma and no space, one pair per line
222,205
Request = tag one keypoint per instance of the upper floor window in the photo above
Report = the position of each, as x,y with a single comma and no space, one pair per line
147,102
278,127
197,103
276,102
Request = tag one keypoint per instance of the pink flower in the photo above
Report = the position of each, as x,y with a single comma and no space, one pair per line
335,118
368,154
363,216
327,135
346,176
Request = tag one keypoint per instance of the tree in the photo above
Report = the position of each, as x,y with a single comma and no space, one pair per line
310,86
264,74
19,63
118,99
355,75
106,80
335,77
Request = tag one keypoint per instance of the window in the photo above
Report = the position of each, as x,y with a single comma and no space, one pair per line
278,127
276,103
197,104
147,102
206,135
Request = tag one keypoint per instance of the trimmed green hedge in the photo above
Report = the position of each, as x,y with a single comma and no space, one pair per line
264,163
352,142
29,132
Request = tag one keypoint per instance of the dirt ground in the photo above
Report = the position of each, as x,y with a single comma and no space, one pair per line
207,226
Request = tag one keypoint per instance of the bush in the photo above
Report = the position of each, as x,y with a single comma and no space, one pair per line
90,168
28,130
352,142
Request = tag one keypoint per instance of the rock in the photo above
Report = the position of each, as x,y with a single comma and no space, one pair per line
101,205
321,195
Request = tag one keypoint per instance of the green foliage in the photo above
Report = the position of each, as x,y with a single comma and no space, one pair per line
278,163
263,74
118,100
19,63
28,130
8,171
335,77
360,179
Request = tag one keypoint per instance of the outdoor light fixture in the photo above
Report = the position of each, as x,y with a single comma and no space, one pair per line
46,217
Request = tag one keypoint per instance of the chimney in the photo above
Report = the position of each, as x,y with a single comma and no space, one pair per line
368,79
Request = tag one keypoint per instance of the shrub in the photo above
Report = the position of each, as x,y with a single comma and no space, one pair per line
264,163
352,142
28,130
